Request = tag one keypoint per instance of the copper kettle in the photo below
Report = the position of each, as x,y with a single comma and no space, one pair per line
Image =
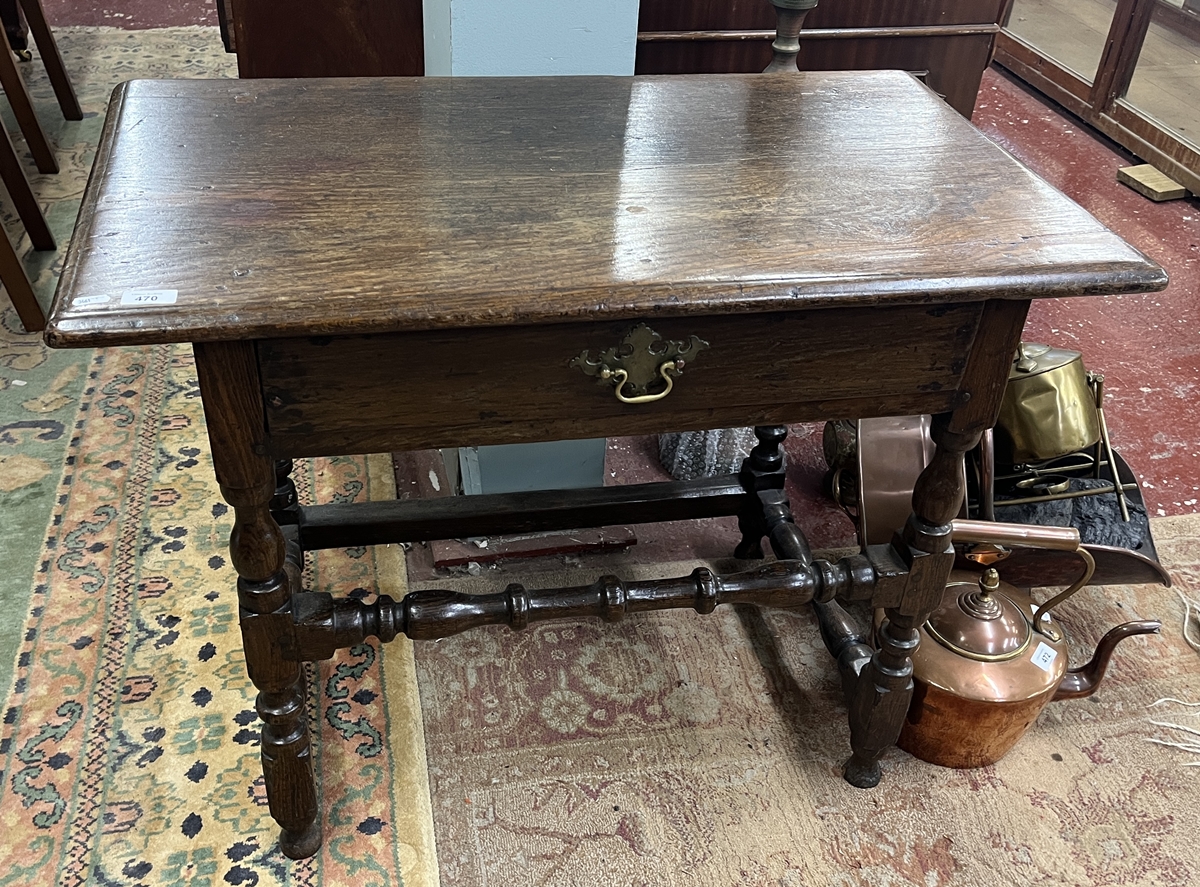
990,659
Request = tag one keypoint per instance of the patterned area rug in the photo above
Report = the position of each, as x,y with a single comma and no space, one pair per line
39,388
669,750
130,742
677,749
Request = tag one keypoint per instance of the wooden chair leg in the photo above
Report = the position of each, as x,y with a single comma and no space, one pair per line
13,276
22,105
15,27
52,58
22,195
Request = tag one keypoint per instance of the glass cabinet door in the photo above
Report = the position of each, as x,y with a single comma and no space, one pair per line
1130,68
1070,32
1166,82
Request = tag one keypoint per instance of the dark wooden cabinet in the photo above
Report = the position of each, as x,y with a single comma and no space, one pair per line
949,41
325,38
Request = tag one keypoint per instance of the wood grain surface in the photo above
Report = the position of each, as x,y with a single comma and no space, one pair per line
328,38
305,207
670,15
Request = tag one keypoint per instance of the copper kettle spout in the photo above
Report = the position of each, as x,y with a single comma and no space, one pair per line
1083,681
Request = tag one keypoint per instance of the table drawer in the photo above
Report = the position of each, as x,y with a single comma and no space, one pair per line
332,395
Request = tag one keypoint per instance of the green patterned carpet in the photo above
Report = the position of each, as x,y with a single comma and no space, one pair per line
40,388
130,744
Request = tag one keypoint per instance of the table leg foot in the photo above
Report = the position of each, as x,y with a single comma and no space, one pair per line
287,763
880,699
862,773
259,544
750,548
301,845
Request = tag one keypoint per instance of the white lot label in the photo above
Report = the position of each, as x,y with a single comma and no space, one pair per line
145,298
1044,656
91,300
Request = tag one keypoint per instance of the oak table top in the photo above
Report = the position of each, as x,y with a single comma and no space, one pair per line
230,209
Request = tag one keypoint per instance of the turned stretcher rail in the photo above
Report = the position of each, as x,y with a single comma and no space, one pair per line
322,624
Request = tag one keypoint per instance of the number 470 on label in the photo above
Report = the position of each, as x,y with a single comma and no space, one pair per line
146,298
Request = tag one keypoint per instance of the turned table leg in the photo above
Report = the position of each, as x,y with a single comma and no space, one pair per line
250,484
285,506
880,698
762,476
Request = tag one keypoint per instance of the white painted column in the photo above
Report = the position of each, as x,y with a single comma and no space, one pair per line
473,38
435,14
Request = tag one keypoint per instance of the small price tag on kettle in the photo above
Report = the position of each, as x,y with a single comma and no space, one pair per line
1044,656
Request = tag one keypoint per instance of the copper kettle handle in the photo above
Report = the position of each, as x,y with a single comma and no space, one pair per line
1029,536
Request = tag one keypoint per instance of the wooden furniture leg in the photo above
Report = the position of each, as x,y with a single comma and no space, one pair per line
52,59
762,477
880,698
22,105
15,27
23,198
228,375
13,276
285,507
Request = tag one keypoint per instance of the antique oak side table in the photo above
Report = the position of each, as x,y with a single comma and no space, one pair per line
372,265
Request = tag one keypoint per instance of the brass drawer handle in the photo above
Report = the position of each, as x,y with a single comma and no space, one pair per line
641,359
619,378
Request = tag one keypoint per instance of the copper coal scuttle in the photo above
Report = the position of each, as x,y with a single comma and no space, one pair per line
991,657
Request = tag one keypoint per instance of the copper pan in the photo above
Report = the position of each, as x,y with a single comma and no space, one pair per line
892,453
1031,568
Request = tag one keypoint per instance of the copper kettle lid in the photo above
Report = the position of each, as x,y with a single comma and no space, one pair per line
1033,358
981,622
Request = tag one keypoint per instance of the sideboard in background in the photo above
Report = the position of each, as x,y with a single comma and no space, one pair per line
324,38
947,42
